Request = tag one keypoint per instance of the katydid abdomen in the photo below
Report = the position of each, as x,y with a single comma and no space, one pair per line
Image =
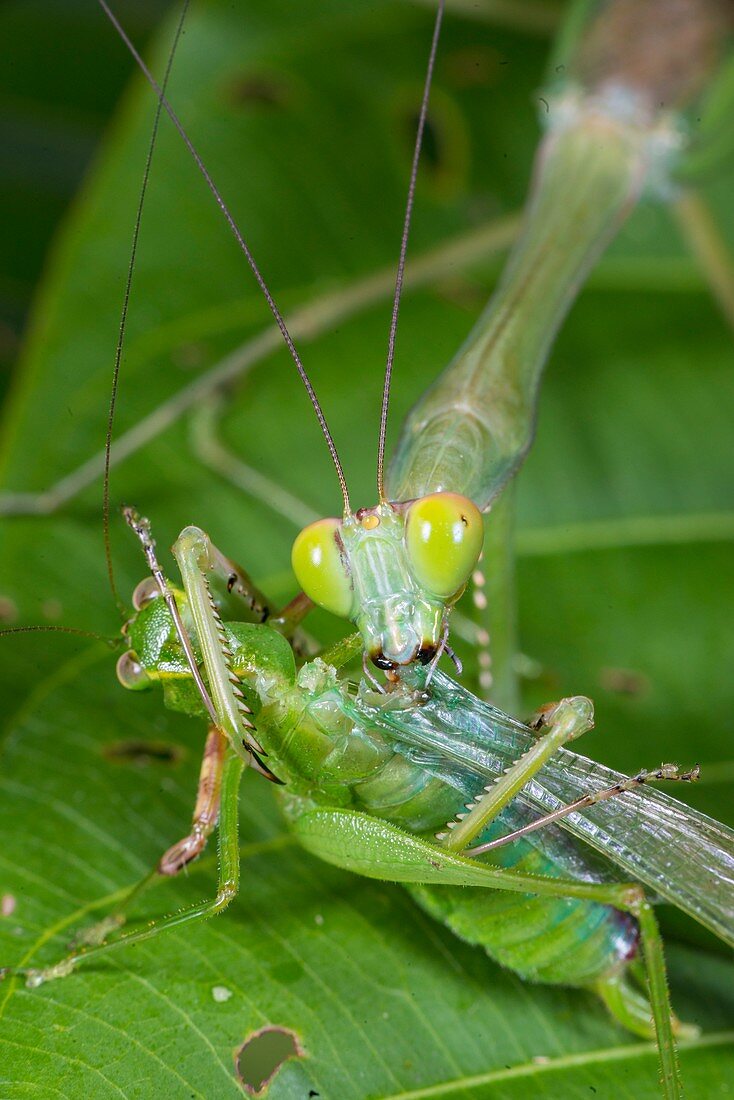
563,941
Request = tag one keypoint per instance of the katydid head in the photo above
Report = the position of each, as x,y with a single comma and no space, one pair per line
394,570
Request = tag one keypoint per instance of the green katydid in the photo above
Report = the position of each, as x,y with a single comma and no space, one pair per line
322,829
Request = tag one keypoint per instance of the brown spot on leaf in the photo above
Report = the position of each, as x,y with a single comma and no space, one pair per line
143,753
260,90
624,681
8,610
472,66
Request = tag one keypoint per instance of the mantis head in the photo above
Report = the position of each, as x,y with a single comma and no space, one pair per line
394,570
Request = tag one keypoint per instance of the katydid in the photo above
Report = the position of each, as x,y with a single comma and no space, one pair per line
354,794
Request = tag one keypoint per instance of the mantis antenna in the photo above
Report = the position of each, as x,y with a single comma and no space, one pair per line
403,252
166,106
123,316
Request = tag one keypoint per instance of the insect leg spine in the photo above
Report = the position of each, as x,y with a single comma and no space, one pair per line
242,708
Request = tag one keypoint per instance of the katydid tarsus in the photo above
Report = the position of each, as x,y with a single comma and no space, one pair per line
342,783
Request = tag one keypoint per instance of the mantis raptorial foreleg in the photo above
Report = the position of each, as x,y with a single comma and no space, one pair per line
237,594
230,744
493,608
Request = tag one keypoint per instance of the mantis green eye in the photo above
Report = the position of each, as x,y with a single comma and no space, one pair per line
320,568
444,534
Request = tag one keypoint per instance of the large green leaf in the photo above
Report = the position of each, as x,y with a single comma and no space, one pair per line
304,115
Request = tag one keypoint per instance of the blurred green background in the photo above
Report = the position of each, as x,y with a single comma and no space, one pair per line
61,77
304,114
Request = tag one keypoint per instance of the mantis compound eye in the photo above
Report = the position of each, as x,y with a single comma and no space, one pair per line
320,566
444,533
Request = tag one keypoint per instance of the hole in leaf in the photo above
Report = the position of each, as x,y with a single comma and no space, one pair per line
261,1056
142,753
432,148
445,149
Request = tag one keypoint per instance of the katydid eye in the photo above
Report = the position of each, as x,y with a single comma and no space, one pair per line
444,534
131,673
320,568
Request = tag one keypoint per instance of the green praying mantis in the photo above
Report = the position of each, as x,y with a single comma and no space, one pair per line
345,774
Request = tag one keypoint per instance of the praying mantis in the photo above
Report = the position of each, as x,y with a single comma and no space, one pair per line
250,411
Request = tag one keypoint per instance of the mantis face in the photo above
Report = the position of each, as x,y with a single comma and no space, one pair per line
394,570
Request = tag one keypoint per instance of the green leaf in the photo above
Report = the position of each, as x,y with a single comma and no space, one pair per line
304,115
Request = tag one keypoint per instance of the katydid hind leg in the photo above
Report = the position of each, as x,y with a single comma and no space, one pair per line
558,723
377,849
657,982
665,773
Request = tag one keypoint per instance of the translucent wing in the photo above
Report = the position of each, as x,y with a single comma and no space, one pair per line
684,856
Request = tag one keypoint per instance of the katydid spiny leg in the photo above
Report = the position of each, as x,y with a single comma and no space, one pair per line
565,721
377,849
665,773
